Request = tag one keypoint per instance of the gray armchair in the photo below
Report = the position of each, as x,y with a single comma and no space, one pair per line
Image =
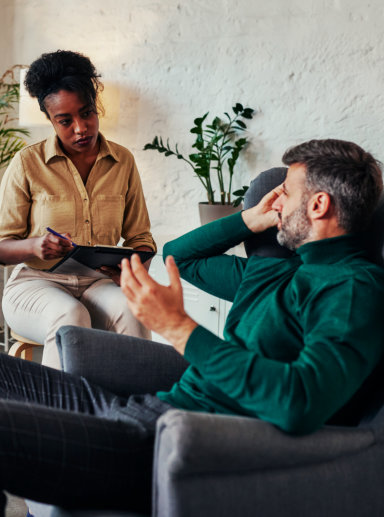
210,465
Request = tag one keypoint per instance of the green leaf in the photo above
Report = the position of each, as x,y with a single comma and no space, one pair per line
248,113
195,157
238,108
198,121
237,201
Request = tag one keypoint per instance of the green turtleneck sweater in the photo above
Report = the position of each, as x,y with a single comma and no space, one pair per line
302,335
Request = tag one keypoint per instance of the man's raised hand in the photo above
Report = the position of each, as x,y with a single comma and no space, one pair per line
160,308
263,216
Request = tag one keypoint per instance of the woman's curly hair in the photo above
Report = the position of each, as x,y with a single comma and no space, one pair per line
64,70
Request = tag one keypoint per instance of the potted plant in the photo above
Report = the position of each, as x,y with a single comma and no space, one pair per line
217,148
11,138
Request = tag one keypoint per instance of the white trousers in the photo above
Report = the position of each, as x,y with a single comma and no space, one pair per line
36,304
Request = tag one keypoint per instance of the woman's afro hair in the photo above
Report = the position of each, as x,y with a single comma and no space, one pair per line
63,70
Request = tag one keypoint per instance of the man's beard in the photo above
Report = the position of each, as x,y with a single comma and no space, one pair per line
295,229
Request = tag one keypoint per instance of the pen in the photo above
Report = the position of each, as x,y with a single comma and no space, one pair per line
59,235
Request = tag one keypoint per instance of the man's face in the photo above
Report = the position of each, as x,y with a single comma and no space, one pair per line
294,225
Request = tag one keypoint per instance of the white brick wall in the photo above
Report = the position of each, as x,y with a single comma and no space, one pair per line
314,68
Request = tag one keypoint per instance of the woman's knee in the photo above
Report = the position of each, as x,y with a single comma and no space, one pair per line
72,312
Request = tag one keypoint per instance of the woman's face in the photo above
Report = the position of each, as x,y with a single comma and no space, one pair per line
75,122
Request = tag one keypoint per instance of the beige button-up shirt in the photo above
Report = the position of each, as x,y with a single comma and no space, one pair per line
42,187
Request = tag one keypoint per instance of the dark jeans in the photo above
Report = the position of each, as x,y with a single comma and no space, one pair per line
67,442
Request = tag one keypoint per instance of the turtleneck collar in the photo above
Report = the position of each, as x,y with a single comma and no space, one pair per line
329,251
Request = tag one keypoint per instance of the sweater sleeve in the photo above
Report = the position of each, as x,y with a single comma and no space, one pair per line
200,256
343,336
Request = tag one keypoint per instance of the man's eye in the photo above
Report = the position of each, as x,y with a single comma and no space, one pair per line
86,114
64,122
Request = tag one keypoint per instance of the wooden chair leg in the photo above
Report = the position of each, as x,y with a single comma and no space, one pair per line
22,350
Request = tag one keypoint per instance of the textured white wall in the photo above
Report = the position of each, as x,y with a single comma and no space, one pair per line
313,68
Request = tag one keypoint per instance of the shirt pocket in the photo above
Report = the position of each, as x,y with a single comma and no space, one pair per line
107,214
56,211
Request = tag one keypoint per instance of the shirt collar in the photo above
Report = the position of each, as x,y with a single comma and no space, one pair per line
106,149
52,148
329,251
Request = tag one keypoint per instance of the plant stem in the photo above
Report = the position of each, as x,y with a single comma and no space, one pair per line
206,182
230,189
219,149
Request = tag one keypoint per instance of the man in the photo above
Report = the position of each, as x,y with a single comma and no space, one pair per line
296,347
302,337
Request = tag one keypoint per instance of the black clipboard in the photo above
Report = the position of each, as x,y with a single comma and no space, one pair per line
83,260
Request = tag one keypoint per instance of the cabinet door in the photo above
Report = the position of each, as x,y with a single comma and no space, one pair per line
202,307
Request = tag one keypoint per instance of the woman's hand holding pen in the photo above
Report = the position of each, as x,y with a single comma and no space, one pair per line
51,246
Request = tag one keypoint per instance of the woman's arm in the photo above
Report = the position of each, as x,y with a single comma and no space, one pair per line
15,201
47,247
136,225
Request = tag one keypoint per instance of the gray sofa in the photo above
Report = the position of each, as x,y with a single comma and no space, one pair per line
210,465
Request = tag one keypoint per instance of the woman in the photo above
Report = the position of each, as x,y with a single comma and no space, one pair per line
82,186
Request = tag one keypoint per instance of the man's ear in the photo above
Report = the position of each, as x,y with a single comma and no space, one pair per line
319,205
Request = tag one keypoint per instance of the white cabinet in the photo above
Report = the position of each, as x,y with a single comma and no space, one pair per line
205,309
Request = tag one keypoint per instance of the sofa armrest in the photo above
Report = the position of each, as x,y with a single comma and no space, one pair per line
122,364
243,466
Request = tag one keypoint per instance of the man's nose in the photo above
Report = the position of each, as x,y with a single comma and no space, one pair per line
277,205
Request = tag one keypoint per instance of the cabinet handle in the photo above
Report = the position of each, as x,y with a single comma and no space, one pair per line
212,308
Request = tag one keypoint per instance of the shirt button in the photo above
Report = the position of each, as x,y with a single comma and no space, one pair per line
85,199
87,221
88,243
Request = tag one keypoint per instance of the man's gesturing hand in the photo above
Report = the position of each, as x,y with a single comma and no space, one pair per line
160,308
263,216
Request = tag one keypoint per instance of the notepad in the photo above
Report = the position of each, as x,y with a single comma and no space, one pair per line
84,260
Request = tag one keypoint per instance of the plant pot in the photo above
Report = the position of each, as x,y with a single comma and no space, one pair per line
209,213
